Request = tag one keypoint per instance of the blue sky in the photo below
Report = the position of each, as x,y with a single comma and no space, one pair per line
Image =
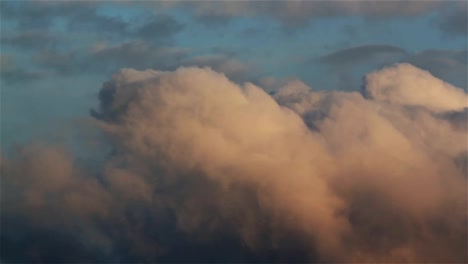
55,55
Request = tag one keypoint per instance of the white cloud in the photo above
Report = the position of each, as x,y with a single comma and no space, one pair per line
406,84
368,182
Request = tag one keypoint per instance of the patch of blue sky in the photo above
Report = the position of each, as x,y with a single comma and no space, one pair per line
39,108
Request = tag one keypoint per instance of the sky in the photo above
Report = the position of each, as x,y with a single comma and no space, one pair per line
57,54
128,117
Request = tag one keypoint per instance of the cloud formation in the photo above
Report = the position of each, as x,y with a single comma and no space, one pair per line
215,171
455,20
297,13
10,72
346,65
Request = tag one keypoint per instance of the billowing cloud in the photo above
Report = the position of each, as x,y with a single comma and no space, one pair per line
215,171
406,84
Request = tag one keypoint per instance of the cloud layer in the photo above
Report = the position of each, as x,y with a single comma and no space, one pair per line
203,169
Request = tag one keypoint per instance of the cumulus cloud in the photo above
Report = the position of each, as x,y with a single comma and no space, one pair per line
406,84
216,171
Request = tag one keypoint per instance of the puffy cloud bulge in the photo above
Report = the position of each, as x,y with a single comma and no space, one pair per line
210,170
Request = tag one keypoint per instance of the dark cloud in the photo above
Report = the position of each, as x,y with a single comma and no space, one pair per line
140,42
17,75
59,62
43,14
30,39
158,28
105,58
79,16
454,21
293,14
362,54
11,73
97,24
137,54
229,65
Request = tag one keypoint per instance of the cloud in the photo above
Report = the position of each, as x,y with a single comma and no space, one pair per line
216,171
138,54
43,14
40,18
159,28
406,84
346,65
30,39
362,54
10,72
454,20
55,35
102,57
226,64
448,65
294,14
59,62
